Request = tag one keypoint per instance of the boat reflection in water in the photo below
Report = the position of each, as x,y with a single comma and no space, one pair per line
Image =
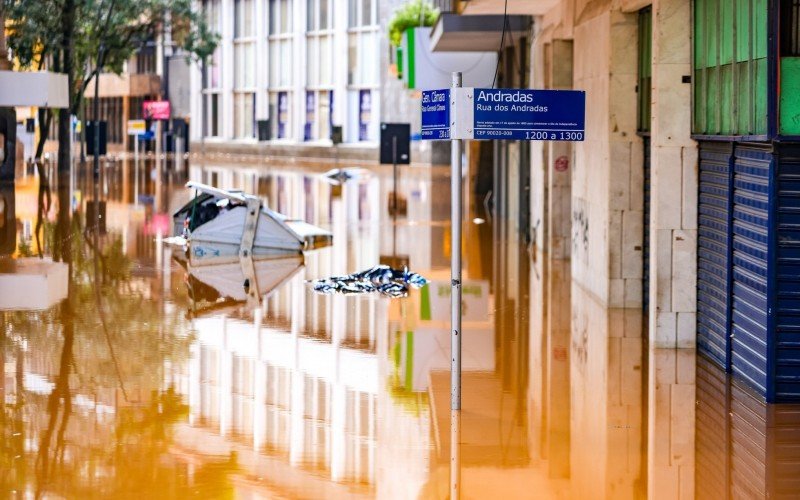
243,282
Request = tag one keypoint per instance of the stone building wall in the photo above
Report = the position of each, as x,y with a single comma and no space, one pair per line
606,182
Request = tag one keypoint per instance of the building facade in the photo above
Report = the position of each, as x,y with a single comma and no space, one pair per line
681,200
288,71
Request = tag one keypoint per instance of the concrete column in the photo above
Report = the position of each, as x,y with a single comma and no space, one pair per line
340,97
228,69
671,419
673,219
606,175
261,61
559,173
538,151
298,103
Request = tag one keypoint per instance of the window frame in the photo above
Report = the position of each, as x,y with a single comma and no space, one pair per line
209,92
362,31
280,38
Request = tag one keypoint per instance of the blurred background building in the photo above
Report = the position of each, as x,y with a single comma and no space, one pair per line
287,72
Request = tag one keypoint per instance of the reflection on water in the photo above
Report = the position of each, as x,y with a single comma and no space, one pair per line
158,379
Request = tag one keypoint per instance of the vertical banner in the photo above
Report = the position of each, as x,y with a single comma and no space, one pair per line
309,126
283,114
364,114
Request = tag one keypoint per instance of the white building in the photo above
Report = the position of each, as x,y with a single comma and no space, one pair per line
303,65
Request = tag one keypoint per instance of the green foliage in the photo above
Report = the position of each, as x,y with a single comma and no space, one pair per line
118,27
408,16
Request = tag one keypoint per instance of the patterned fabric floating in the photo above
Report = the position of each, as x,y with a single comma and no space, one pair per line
380,279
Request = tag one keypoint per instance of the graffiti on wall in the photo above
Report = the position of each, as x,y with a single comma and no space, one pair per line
580,229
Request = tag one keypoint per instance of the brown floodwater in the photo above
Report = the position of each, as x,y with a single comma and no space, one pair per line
129,374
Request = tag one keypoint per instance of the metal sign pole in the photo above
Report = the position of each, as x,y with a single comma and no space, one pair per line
455,302
394,174
455,262
136,169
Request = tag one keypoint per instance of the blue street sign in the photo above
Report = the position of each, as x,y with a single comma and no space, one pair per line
522,114
146,136
436,114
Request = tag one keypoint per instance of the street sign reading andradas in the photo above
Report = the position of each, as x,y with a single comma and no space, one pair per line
516,114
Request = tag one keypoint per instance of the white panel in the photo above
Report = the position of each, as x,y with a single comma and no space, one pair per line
42,88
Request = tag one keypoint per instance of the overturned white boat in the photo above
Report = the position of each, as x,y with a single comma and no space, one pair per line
221,226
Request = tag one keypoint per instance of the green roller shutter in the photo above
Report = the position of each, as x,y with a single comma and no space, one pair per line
730,63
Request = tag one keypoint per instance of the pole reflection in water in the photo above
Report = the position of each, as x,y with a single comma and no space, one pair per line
455,454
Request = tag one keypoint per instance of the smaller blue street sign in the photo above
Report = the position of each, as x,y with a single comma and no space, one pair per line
522,114
436,114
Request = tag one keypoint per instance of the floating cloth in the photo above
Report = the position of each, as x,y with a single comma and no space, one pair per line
380,279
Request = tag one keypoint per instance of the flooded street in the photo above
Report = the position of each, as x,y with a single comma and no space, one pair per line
130,373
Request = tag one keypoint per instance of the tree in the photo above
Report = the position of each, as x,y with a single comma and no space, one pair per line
69,36
410,15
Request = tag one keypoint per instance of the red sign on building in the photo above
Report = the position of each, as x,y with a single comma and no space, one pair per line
157,110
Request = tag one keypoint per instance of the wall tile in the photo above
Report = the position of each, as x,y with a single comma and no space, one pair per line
684,270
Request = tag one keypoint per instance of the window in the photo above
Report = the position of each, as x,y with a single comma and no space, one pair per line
280,17
212,13
319,73
244,44
243,114
110,111
319,44
213,103
280,115
244,81
730,67
363,64
362,43
145,59
318,115
212,81
243,19
280,67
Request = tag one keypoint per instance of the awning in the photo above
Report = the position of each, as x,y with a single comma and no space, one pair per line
455,33
43,89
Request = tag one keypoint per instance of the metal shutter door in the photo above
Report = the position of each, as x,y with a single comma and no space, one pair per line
750,255
713,250
786,335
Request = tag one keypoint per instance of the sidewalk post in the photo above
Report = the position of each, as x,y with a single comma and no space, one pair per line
455,258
